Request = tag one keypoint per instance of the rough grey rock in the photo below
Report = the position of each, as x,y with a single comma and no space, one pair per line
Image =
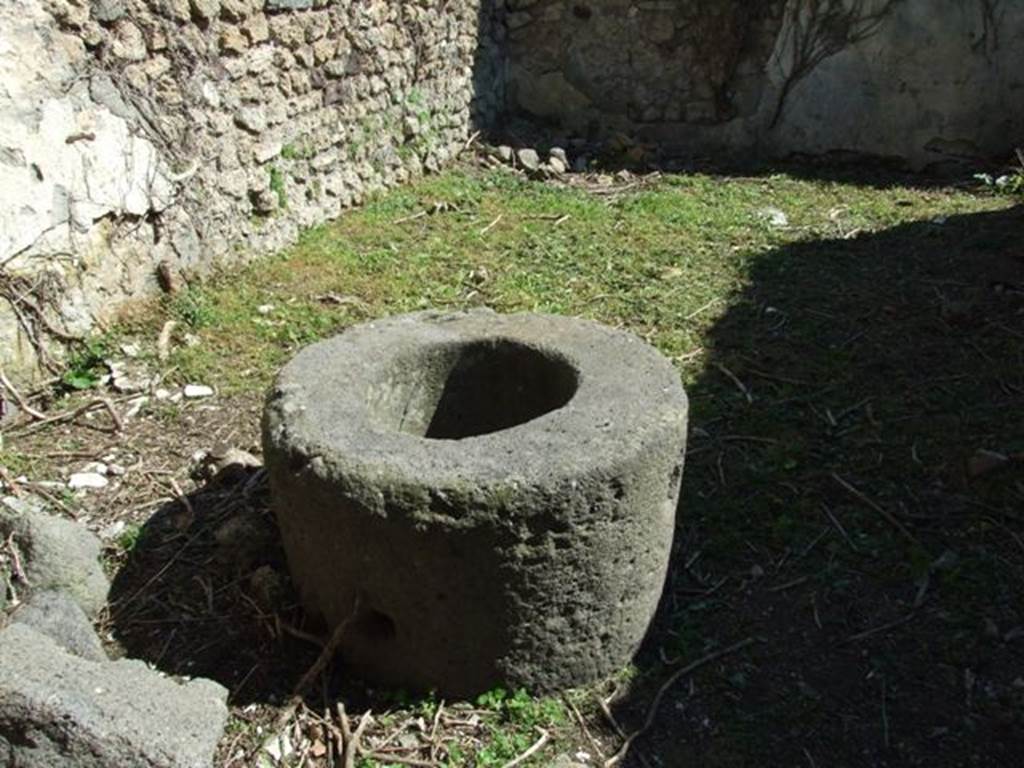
60,710
484,498
107,10
206,10
288,5
918,81
56,553
528,159
556,165
55,614
252,119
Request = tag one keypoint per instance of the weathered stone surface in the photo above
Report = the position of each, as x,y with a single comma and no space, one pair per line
56,553
484,498
528,158
923,82
55,614
107,10
116,111
288,5
206,10
60,710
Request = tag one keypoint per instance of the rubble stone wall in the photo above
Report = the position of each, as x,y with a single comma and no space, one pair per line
923,81
197,133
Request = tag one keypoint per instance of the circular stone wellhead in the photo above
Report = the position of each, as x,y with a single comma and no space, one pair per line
480,498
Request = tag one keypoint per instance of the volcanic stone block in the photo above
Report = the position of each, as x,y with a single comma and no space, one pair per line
57,553
60,710
479,498
55,613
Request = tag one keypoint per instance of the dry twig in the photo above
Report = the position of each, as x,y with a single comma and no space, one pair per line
736,380
21,401
328,651
537,747
71,415
884,513
492,225
16,568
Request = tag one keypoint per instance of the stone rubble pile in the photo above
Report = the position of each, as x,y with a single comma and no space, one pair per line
62,701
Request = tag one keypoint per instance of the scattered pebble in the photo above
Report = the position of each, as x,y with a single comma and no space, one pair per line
112,531
83,480
278,747
528,159
134,407
196,391
775,217
127,377
265,309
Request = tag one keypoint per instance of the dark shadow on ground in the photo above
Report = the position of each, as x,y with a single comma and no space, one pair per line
205,592
837,510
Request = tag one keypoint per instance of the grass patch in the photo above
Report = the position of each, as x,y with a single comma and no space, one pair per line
666,261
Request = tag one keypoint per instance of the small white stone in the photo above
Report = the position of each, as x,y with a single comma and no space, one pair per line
196,391
278,747
80,480
265,309
162,394
775,217
113,530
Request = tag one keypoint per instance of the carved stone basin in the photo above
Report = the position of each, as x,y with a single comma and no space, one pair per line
479,498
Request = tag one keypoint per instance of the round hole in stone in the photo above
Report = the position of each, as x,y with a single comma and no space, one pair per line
581,12
455,391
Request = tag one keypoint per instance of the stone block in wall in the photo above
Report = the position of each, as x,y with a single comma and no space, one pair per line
205,10
232,41
252,119
238,10
256,29
288,5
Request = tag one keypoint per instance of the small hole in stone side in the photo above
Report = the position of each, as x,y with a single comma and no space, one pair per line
581,12
374,627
